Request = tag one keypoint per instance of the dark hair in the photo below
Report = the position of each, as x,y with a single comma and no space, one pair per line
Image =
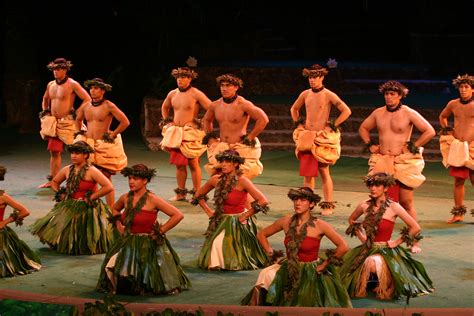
3,170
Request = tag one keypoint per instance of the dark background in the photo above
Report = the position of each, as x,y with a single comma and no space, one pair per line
135,44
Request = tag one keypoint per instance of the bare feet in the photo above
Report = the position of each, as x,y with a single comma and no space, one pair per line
455,219
45,185
178,198
415,248
327,212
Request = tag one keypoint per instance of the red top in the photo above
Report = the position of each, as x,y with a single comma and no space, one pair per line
84,187
142,222
309,248
235,202
385,230
2,212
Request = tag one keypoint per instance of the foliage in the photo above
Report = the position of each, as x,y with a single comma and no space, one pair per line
14,308
109,307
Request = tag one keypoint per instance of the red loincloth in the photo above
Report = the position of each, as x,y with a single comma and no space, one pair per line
308,164
393,192
177,158
459,172
55,145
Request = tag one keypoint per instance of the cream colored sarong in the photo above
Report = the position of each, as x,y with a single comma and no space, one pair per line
324,145
252,166
110,156
63,128
406,168
456,153
185,138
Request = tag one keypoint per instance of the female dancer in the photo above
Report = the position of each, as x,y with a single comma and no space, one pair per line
381,261
302,279
230,242
142,261
77,224
16,258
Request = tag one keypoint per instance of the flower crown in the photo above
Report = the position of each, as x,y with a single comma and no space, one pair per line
380,178
305,193
139,171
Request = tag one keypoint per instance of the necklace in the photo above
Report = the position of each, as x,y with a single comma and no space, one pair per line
230,100
97,103
184,89
466,101
395,108
316,90
60,82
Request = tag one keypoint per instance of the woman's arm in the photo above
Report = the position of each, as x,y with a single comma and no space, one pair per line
413,227
105,184
59,178
268,231
256,194
336,239
117,213
206,188
23,211
175,215
358,212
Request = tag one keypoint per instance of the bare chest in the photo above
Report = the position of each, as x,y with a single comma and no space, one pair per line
183,102
396,122
230,113
464,112
60,92
97,113
317,103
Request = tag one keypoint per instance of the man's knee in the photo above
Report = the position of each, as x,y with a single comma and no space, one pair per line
55,154
459,182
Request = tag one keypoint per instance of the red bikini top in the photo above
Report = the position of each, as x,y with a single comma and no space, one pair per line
84,187
235,202
2,212
309,248
142,222
384,233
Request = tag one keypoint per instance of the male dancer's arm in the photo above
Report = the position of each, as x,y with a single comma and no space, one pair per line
261,120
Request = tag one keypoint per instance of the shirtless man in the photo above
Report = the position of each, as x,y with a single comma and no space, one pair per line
109,156
457,145
57,116
183,135
395,153
233,113
317,140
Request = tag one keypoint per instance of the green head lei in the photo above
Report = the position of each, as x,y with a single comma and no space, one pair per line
380,178
463,79
394,86
80,147
184,72
139,171
59,63
230,155
97,82
304,193
231,79
315,71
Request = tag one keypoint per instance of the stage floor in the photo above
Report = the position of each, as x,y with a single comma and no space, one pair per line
447,249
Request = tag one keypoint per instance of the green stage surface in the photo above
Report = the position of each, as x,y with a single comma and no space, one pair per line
447,249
